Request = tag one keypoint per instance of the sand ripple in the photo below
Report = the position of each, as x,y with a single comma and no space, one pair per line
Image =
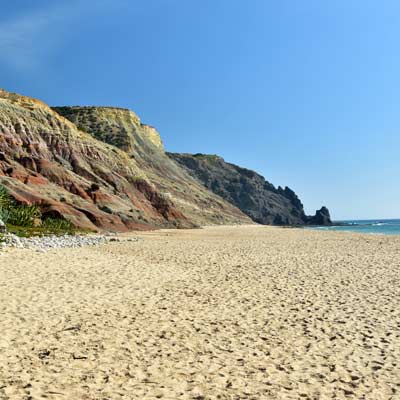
219,313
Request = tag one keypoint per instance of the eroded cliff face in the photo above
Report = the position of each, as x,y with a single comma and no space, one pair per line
142,143
115,183
249,191
116,126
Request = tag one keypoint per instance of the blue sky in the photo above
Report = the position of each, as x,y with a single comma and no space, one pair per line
307,93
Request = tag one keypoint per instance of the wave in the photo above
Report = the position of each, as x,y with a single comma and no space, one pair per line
378,227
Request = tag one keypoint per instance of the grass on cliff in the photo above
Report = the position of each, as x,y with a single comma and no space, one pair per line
28,221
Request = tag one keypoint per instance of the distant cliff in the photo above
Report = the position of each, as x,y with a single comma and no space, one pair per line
249,191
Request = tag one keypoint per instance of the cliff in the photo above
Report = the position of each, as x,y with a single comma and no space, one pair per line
249,191
102,168
99,167
122,129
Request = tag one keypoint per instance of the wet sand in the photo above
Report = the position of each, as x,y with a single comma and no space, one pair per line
219,313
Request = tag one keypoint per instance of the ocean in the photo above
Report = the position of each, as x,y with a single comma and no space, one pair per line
378,226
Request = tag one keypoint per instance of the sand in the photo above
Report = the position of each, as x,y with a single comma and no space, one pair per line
218,313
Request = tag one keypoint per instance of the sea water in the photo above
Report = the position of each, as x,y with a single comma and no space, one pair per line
378,226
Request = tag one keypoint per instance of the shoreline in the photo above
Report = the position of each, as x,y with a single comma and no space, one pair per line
53,242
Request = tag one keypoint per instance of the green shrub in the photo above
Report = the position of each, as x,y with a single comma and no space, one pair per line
57,225
5,198
6,203
20,219
14,214
23,215
4,214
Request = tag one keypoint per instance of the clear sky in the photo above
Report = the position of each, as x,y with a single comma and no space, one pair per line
307,92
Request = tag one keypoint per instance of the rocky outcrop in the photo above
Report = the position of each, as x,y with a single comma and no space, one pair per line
321,217
249,191
122,181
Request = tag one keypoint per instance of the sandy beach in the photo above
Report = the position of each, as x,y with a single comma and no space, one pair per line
245,312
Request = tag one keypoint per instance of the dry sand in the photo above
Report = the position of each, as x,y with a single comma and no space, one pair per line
219,313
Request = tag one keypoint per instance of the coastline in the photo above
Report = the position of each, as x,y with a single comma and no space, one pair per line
373,226
236,312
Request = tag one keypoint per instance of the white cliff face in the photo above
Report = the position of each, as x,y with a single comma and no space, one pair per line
119,127
154,137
